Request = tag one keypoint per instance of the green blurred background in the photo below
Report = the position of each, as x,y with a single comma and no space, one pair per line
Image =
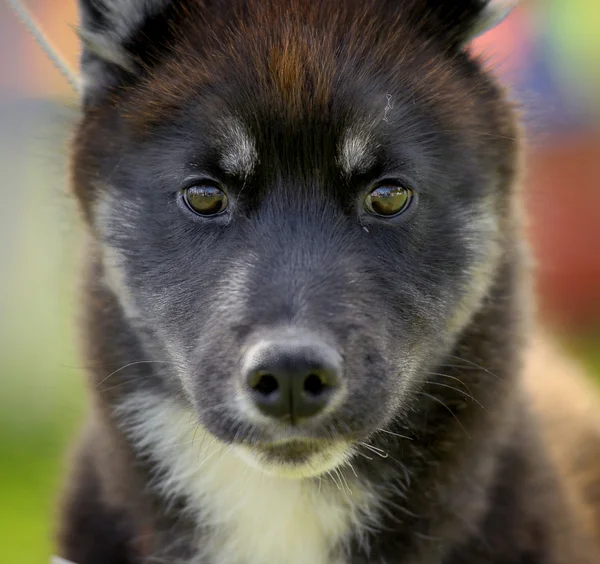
547,51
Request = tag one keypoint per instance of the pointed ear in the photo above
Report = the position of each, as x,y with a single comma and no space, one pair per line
493,14
460,21
118,37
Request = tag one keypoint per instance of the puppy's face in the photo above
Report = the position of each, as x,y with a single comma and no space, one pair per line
301,207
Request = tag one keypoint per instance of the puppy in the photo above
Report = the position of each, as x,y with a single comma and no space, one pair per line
307,305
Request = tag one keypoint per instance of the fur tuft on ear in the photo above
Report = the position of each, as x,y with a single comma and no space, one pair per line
108,31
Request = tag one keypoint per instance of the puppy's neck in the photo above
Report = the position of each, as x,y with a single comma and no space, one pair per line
243,514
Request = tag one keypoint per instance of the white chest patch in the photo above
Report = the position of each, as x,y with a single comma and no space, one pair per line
254,518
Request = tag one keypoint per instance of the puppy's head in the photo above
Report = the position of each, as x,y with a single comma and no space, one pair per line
301,203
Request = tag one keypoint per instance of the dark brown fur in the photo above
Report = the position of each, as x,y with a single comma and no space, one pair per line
517,482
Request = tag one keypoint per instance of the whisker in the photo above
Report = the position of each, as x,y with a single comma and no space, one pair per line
341,475
456,390
474,364
195,432
200,450
133,364
487,134
464,367
451,378
209,457
376,450
334,480
352,468
115,386
183,443
447,408
219,406
395,434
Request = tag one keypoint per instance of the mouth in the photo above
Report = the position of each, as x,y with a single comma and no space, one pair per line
297,458
291,452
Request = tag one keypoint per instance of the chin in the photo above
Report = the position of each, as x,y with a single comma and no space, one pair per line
296,459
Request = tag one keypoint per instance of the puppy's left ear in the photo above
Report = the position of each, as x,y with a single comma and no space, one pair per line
121,38
461,21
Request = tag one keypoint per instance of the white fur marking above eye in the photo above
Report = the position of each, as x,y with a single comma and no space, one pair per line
239,154
253,517
356,152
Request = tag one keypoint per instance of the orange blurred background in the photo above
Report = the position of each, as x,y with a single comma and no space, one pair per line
27,70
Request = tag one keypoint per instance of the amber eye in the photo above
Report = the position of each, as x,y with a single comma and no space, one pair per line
206,200
388,201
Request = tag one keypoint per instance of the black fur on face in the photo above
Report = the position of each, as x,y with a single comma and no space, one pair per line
296,111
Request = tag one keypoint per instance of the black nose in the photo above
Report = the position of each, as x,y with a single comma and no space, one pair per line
292,378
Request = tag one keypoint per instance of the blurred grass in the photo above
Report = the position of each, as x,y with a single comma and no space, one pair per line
587,348
30,475
41,388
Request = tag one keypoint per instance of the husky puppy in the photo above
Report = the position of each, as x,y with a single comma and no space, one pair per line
306,302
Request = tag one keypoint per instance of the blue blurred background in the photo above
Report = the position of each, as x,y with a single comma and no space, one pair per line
547,52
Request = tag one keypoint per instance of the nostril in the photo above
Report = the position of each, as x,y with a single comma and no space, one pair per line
291,377
314,385
265,384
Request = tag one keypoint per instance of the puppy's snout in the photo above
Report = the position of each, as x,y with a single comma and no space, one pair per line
292,378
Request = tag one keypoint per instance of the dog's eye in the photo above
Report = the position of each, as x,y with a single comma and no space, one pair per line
206,200
388,200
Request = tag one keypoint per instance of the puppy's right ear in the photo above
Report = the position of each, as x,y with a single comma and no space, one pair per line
120,38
